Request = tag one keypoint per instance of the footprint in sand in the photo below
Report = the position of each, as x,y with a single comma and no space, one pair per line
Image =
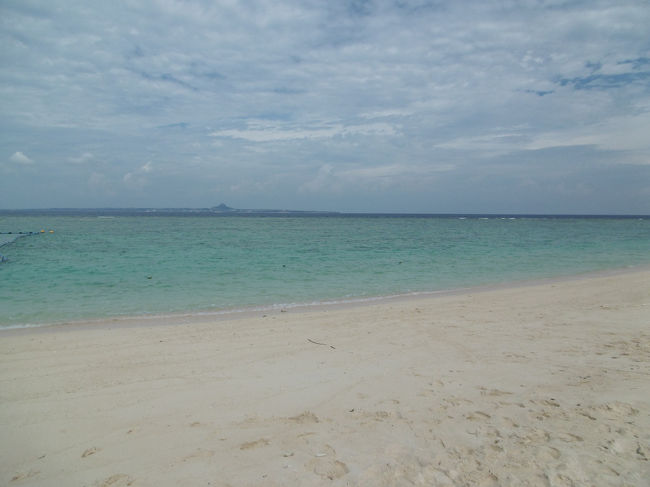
550,402
326,465
330,469
117,480
617,408
379,415
254,444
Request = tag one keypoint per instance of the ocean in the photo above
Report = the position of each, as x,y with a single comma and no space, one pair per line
95,267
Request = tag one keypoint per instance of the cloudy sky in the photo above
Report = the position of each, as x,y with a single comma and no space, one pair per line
526,106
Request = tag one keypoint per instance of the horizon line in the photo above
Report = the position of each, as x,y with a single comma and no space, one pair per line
215,211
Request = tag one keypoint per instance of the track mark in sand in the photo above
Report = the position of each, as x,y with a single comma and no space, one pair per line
615,409
536,436
516,357
402,465
636,348
493,392
547,453
199,453
509,422
306,434
455,401
304,418
25,475
642,452
389,401
379,416
249,445
586,415
569,437
90,451
117,480
550,402
478,416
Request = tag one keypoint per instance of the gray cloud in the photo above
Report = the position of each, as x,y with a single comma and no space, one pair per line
359,105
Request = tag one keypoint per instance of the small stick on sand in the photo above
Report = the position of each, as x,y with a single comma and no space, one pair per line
319,343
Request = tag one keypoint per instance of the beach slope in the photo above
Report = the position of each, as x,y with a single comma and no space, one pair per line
545,384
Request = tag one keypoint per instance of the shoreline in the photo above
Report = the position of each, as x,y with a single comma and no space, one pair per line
543,384
195,317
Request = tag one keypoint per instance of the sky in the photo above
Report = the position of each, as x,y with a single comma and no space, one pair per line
424,106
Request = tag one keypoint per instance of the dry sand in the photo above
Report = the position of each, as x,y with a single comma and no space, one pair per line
544,384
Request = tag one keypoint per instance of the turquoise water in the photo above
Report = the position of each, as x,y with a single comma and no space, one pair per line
95,267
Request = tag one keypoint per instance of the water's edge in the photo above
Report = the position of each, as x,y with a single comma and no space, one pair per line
226,315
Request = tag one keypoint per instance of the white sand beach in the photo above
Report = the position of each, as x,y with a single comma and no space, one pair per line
545,384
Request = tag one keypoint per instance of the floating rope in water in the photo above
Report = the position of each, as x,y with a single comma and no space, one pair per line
7,238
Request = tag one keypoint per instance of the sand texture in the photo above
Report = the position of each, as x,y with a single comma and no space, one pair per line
538,385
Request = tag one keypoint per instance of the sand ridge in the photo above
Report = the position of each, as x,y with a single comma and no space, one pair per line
543,385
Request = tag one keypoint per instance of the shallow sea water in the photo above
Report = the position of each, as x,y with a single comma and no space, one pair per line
96,267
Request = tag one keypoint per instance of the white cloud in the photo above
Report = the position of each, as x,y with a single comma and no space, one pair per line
20,158
138,179
373,178
83,158
269,132
619,133
489,144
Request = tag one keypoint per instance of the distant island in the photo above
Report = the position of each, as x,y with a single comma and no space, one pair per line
224,208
